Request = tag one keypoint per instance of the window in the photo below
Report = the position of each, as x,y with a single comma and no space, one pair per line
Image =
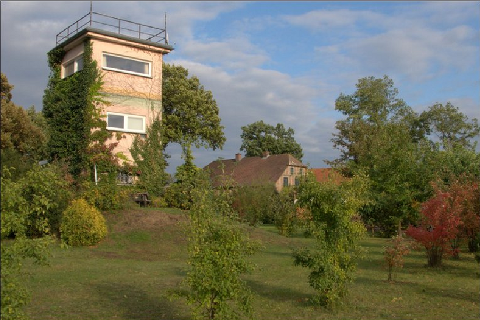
297,181
72,66
127,65
285,181
125,122
292,170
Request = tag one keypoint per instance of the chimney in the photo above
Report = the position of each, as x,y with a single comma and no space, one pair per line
265,154
238,157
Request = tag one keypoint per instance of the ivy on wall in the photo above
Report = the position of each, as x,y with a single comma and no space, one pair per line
72,107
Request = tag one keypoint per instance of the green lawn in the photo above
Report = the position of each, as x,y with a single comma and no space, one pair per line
129,275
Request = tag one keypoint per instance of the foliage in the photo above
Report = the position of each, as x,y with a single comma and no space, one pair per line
394,254
19,131
285,211
372,105
466,194
384,137
106,194
180,193
34,204
15,210
439,225
72,109
253,204
150,160
336,228
218,249
14,294
82,224
47,195
14,207
259,137
190,114
451,126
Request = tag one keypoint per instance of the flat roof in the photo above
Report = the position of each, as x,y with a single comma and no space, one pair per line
115,35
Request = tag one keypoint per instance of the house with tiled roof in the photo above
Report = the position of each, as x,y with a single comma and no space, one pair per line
281,170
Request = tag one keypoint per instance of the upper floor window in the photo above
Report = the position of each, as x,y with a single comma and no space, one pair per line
127,65
125,122
72,66
292,170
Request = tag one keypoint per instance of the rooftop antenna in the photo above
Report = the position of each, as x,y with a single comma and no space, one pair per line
166,34
91,9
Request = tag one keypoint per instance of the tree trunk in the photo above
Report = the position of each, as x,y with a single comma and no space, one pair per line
435,256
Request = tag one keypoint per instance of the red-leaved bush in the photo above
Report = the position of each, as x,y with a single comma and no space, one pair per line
439,225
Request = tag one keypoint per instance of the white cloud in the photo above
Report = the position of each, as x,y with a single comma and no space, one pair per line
235,53
322,20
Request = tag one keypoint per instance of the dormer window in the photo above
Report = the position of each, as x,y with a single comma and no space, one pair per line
72,66
127,65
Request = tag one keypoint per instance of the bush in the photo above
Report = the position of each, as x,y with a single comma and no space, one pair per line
158,202
106,195
82,224
285,212
254,203
47,194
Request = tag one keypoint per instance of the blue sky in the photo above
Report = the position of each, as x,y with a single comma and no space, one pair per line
280,62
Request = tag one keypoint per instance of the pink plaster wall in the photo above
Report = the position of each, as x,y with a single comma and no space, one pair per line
133,94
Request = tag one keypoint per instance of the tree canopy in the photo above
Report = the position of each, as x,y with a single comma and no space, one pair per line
190,114
450,125
384,137
259,137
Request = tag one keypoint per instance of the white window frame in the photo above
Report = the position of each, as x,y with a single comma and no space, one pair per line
125,123
104,65
75,65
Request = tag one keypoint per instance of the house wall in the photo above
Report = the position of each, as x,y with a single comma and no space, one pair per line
126,93
291,177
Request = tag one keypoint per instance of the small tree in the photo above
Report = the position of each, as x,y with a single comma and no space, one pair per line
439,225
218,251
15,211
394,253
150,161
337,229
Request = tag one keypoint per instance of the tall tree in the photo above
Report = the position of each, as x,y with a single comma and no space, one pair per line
259,137
23,138
381,135
451,126
190,114
18,131
367,110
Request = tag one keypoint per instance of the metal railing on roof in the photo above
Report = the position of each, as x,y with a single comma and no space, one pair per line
115,25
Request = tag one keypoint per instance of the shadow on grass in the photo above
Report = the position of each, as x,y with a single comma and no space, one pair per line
133,303
280,294
423,289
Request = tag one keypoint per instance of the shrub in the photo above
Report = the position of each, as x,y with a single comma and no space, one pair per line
439,225
254,203
285,212
158,202
106,195
47,194
82,224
